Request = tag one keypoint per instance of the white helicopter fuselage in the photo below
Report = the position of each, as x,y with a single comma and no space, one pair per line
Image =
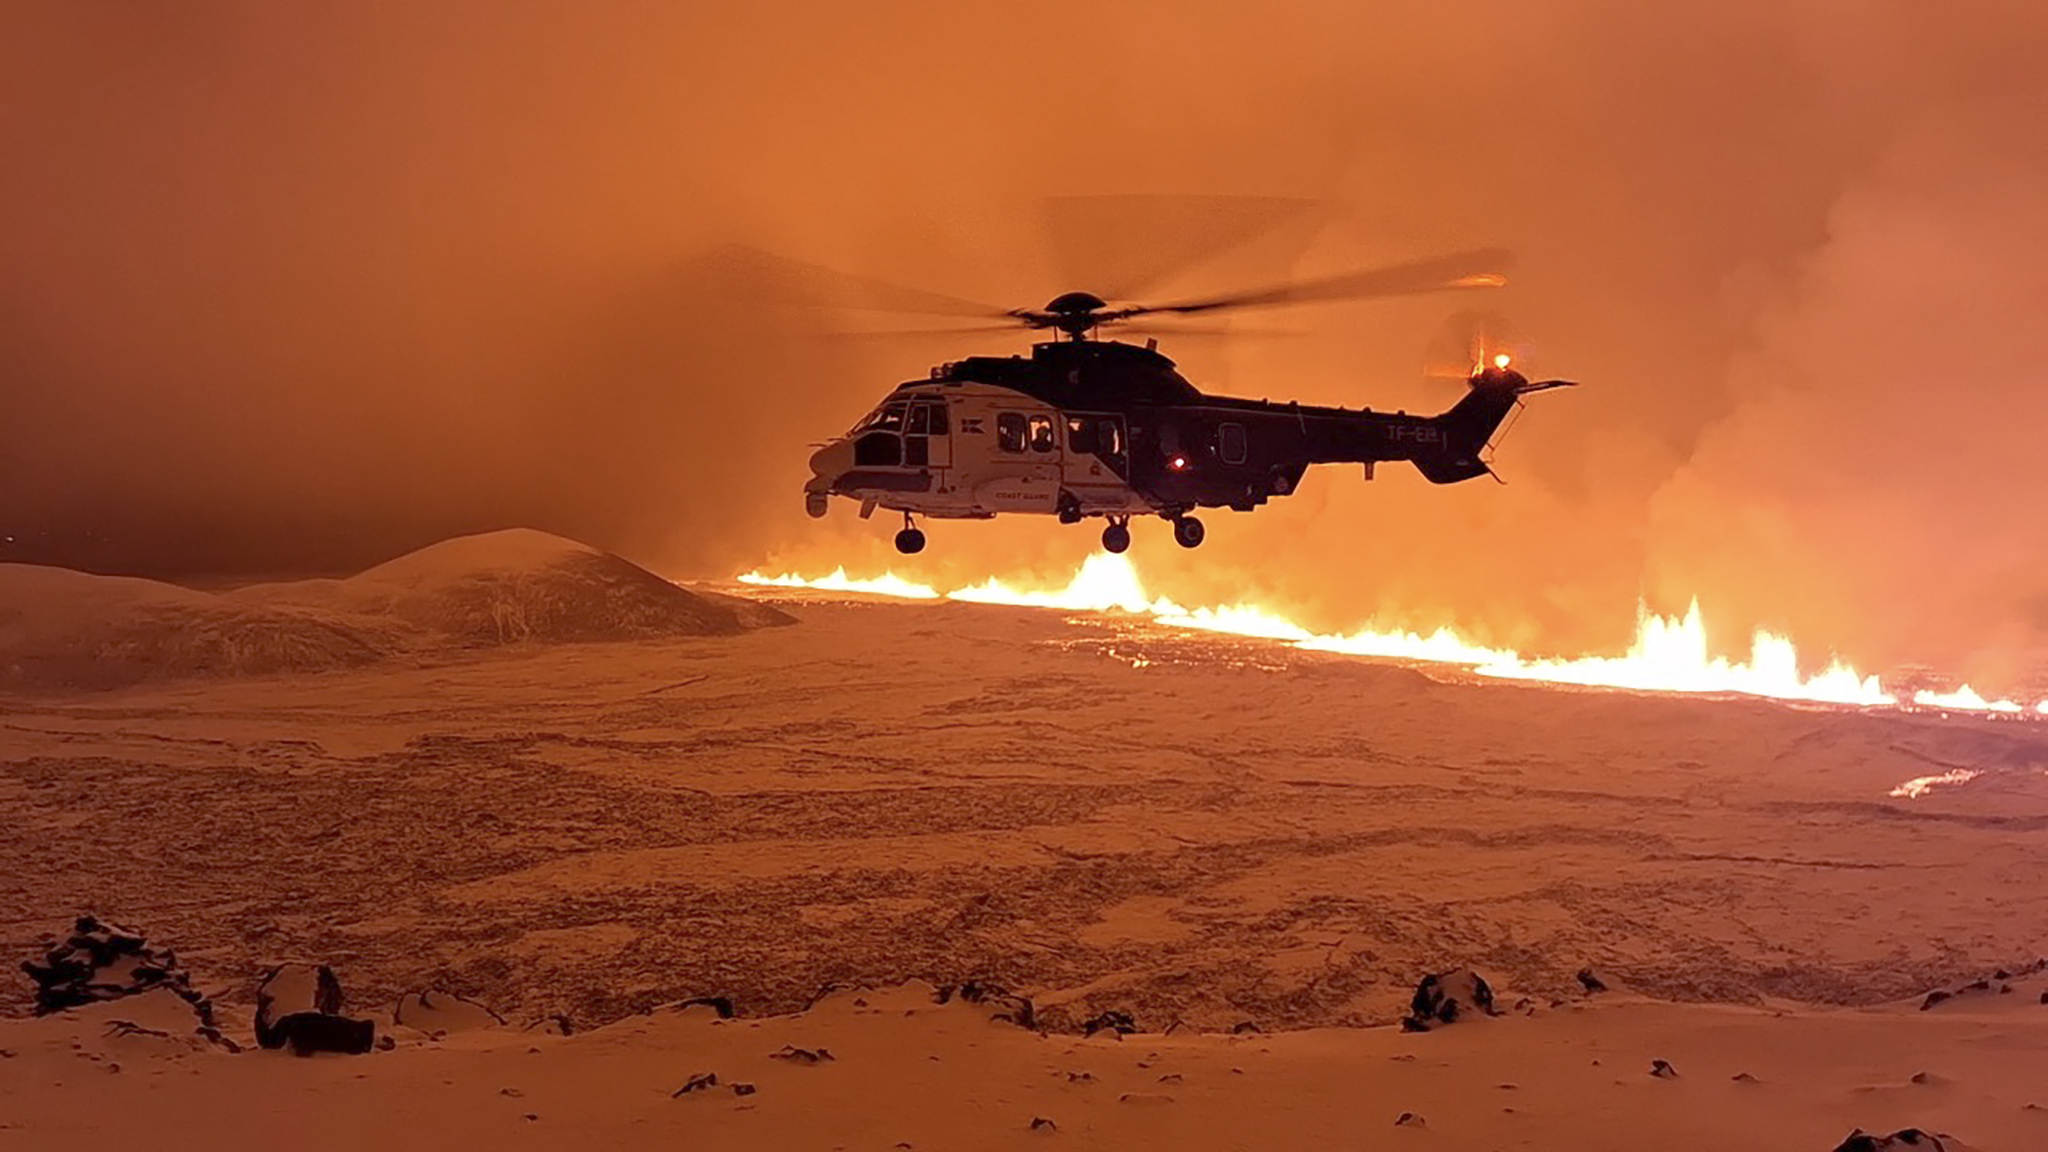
973,451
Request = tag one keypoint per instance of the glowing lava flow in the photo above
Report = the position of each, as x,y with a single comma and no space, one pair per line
1670,653
888,584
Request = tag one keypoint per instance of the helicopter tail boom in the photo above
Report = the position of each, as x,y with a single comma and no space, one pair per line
1470,426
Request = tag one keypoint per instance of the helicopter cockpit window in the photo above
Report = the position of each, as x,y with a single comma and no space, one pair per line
938,418
887,418
1010,431
878,450
1041,434
920,420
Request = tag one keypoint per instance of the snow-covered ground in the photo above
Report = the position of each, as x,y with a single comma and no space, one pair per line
906,1072
1201,831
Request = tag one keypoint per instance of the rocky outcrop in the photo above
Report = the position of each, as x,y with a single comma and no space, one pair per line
1904,1140
1113,1022
101,961
1448,997
1003,1005
1999,983
298,1006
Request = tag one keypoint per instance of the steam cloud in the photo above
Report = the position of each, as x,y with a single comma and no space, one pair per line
290,289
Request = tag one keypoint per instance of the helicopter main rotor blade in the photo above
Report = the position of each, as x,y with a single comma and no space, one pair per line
1120,246
791,281
1175,331
903,333
1481,268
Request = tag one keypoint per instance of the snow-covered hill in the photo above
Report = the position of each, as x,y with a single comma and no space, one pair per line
61,629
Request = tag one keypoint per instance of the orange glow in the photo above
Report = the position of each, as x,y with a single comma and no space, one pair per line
1670,653
887,584
1966,699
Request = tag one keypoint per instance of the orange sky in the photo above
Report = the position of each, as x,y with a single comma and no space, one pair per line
296,287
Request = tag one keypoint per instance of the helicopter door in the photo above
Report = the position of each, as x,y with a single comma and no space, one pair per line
928,440
1022,474
1098,460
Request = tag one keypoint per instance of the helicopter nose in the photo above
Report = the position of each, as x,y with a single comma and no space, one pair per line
828,464
831,462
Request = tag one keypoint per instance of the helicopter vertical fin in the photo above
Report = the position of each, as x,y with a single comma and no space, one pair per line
1469,425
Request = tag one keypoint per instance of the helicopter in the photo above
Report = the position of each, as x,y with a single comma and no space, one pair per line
1087,427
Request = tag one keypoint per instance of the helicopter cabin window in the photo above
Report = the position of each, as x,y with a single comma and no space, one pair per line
1080,435
920,420
1010,431
1095,435
938,418
1230,443
1041,434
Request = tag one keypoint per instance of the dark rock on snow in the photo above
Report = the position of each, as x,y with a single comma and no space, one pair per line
1905,1138
796,1055
1445,998
1119,1023
719,1004
702,1081
298,1006
1003,1004
102,961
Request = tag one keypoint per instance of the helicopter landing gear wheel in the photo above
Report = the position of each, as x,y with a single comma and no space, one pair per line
1188,532
1116,537
910,541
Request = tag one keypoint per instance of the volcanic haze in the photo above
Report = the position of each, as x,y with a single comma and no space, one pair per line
288,290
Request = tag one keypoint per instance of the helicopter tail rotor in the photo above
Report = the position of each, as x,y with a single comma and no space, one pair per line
1476,349
1480,349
